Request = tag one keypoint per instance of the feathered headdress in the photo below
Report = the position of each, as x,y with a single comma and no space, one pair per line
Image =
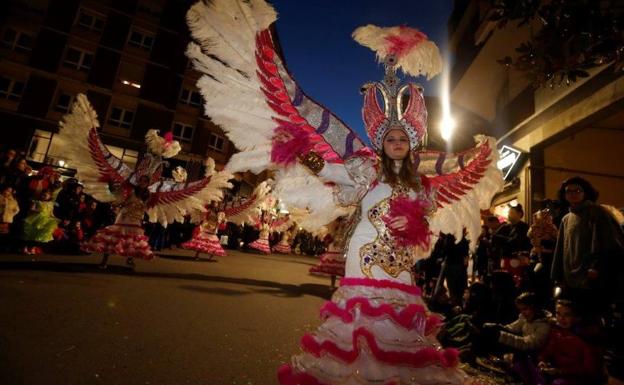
402,48
163,146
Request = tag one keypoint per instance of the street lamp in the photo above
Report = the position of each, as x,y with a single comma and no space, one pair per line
447,125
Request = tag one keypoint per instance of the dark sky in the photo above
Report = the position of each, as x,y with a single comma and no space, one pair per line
329,65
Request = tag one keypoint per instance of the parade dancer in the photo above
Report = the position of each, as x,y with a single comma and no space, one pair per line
136,192
332,262
377,328
262,243
283,247
205,239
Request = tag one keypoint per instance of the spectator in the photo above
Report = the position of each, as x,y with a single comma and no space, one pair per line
8,210
530,331
512,237
589,250
566,359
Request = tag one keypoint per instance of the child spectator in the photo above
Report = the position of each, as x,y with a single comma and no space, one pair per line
8,209
566,359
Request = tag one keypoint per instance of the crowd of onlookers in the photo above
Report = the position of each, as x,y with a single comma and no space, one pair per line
541,304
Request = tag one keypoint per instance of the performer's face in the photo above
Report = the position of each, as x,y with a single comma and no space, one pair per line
396,144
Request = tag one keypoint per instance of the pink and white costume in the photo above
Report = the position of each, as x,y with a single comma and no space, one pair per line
283,247
125,237
262,243
205,239
376,329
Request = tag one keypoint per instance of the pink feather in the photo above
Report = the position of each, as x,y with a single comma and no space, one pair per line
416,232
407,39
289,141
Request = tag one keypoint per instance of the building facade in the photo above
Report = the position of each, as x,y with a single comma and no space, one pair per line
560,132
127,56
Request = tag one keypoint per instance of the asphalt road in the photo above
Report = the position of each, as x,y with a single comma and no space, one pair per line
171,321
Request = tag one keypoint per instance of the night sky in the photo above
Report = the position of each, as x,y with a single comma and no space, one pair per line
329,65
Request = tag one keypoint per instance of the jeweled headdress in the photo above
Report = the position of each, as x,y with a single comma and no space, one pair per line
409,50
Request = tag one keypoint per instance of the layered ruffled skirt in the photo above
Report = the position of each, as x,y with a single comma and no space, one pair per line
205,243
282,248
122,239
374,332
331,263
262,245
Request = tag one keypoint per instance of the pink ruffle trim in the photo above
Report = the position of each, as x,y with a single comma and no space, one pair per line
281,248
405,318
419,359
381,284
120,239
261,245
208,247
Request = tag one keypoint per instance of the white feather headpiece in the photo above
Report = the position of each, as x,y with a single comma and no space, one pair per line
414,53
163,146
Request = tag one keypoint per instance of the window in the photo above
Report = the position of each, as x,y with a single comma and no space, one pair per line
216,142
64,102
40,146
129,157
183,132
90,20
78,59
17,40
190,97
141,39
120,117
11,89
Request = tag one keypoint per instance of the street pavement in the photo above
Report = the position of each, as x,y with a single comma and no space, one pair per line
170,321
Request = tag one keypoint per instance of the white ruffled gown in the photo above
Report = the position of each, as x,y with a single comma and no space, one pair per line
377,328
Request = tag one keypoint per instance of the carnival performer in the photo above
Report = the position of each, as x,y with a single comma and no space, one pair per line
205,239
283,247
139,192
40,224
377,328
262,243
332,262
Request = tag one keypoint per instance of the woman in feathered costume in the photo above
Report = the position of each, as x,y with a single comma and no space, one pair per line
332,262
376,329
205,238
136,192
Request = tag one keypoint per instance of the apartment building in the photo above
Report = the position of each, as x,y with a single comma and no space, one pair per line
550,133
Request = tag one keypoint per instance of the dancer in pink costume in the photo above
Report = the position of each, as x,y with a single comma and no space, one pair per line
205,239
332,262
377,328
284,245
262,243
136,192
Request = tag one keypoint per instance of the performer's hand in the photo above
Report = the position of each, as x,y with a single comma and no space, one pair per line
398,223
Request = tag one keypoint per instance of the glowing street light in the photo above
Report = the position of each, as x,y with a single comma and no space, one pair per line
447,125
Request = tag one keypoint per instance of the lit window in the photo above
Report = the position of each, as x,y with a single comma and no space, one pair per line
39,146
78,59
216,142
11,89
90,20
17,40
141,39
129,157
64,102
183,132
120,117
190,97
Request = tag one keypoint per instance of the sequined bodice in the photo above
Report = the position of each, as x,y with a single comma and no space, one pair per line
383,251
